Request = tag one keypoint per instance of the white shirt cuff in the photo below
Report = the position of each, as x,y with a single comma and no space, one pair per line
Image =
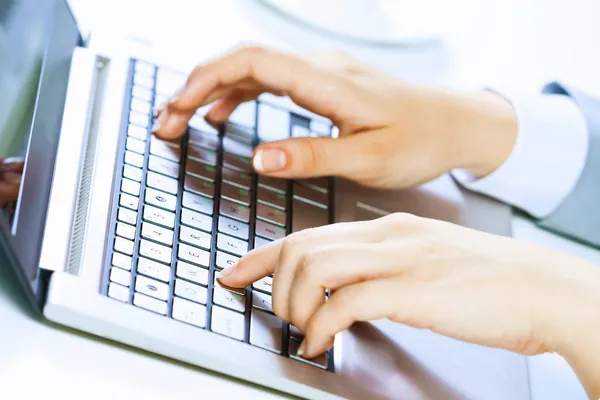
547,160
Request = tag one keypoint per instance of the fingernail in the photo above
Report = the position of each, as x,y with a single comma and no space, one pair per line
226,272
302,348
269,160
176,95
159,122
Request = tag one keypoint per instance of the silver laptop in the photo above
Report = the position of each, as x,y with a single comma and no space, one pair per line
114,232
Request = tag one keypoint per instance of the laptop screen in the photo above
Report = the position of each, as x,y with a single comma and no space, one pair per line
36,43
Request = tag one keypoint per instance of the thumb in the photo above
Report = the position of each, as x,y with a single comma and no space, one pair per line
314,157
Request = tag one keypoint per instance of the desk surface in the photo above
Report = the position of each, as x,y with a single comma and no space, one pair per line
513,44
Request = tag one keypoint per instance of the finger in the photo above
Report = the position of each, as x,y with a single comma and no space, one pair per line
225,106
314,157
365,301
295,247
332,267
255,265
308,86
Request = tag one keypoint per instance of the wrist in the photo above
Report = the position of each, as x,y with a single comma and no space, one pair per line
487,131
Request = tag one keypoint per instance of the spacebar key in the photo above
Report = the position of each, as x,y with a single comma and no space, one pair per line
305,216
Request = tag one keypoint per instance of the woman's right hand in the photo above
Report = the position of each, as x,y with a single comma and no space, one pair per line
393,134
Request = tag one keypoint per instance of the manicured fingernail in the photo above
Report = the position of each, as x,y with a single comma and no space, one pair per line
302,348
226,272
176,95
160,121
269,160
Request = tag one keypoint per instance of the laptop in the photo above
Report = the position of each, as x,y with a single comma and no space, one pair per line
116,233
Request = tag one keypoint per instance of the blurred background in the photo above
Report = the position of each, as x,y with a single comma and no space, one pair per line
517,44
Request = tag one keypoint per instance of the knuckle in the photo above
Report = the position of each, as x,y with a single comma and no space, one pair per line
315,156
402,220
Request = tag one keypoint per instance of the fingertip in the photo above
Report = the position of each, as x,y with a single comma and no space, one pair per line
170,125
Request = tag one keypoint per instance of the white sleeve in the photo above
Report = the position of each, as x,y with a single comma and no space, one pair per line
547,160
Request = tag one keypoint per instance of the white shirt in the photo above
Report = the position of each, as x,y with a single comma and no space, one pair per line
547,160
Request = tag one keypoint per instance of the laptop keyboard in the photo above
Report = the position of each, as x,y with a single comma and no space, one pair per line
184,210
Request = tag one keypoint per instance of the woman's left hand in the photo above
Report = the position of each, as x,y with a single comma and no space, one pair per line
473,286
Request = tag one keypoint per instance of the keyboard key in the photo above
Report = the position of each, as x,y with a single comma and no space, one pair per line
160,102
120,276
127,216
126,231
190,291
200,170
265,285
305,216
199,124
319,184
232,245
141,106
139,119
162,149
118,292
235,211
225,260
137,132
135,159
265,331
300,131
189,312
144,68
143,80
168,82
233,228
260,242
273,123
129,201
236,178
227,299
194,237
157,234
271,198
269,231
320,128
160,199
217,284
232,193
163,166
199,186
124,246
196,220
192,273
208,157
240,133
310,196
244,114
262,301
162,182
121,261
142,93
153,269
227,322
295,333
158,216
236,162
151,287
271,215
275,184
130,172
150,304
155,251
198,203
206,141
236,147
131,187
319,361
194,255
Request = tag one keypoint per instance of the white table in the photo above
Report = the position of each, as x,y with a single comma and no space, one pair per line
514,44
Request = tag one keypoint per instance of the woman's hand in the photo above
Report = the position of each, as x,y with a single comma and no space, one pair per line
469,285
394,134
